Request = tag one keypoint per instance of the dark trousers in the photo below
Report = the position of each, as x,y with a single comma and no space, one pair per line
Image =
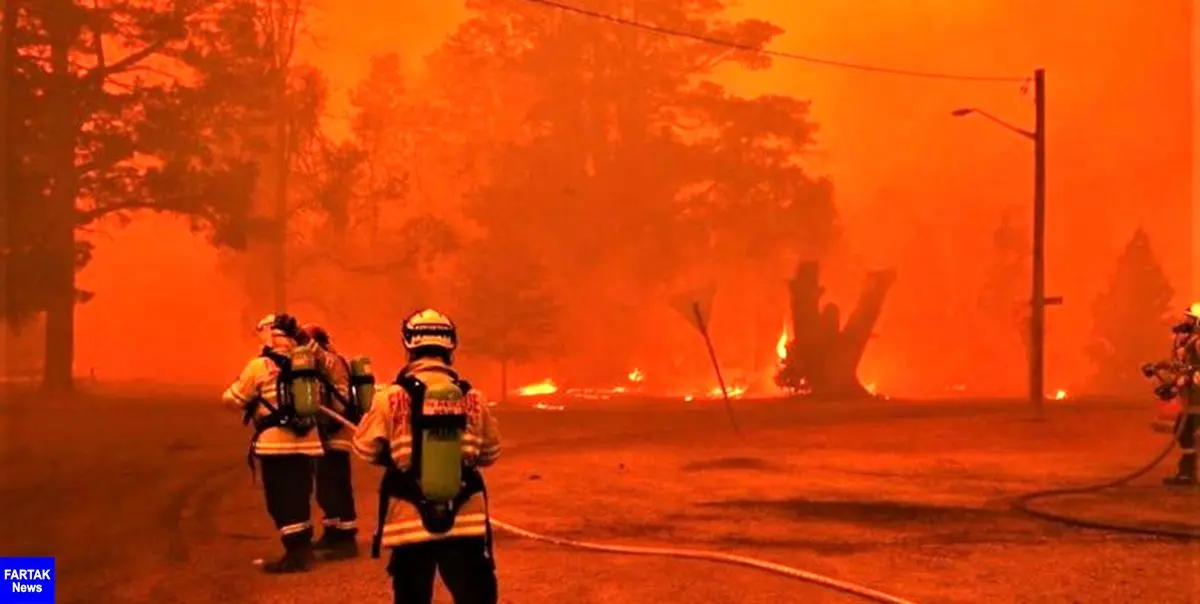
287,482
465,564
335,492
1187,432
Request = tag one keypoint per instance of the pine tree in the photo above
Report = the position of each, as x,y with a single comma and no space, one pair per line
1004,298
508,310
1130,319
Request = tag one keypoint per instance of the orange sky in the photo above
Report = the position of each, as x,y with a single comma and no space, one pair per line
919,189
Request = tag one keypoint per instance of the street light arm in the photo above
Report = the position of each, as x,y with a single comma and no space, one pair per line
1007,126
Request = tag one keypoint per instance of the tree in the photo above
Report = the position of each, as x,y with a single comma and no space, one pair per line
383,125
388,126
277,104
122,121
1004,299
822,360
631,166
1130,319
507,311
354,216
361,190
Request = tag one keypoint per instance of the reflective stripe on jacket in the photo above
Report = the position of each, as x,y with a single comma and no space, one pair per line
404,526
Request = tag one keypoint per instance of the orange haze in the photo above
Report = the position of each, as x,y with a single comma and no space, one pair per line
918,189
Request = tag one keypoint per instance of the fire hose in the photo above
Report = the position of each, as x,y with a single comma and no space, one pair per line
1023,502
711,556
690,554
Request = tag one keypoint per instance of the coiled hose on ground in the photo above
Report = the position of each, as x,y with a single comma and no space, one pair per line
670,552
1023,503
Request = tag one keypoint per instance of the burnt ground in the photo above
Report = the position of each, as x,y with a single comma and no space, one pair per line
150,500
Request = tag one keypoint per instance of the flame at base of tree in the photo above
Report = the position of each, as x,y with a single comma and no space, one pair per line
823,356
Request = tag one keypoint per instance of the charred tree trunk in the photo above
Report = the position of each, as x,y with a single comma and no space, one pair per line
58,376
822,359
279,257
8,239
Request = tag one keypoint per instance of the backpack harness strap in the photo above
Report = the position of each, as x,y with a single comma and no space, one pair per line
405,485
283,415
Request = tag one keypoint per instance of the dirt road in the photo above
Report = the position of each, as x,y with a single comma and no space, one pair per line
150,500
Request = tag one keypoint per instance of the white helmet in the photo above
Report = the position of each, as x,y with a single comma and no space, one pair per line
429,328
278,324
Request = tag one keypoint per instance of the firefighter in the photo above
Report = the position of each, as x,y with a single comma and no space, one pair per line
273,391
1186,355
335,491
432,432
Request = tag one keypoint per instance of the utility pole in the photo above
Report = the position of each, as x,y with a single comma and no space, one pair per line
1037,299
1037,319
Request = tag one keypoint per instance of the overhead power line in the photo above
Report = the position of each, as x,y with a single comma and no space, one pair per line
774,53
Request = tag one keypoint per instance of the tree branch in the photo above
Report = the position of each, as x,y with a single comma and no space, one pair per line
100,72
84,218
98,40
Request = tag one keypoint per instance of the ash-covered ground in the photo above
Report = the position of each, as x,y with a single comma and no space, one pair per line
148,499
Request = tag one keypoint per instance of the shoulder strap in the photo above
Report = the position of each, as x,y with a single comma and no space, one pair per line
416,404
282,361
283,398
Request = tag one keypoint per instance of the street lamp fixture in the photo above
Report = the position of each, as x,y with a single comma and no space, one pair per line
965,111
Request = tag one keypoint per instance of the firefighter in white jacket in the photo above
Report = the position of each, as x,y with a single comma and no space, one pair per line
432,432
284,443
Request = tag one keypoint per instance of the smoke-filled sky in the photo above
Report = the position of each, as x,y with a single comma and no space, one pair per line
917,189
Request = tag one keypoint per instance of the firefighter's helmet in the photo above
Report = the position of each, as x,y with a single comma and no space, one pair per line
280,324
316,333
429,328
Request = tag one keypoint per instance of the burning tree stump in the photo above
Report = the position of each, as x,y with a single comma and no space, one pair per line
823,356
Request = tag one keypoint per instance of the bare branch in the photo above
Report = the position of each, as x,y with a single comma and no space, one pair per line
98,40
291,42
713,62
100,72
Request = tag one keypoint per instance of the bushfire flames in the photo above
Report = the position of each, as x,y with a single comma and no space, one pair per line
636,378
548,387
734,391
781,346
541,388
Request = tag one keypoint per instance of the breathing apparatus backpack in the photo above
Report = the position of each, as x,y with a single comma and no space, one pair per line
299,389
362,385
437,482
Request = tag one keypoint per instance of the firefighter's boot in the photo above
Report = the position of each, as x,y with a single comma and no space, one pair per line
1185,475
297,558
337,544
